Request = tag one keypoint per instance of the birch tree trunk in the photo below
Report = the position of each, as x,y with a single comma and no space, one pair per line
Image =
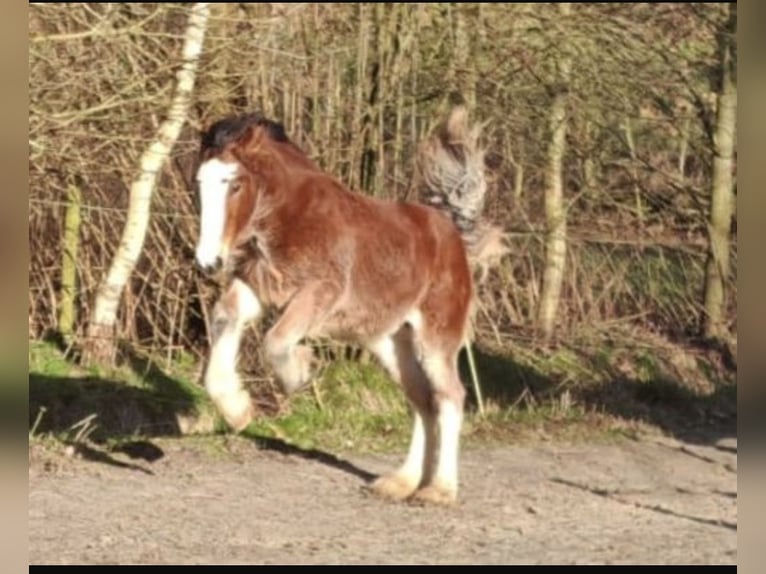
717,269
555,211
100,345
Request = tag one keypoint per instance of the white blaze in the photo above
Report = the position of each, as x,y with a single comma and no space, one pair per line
214,177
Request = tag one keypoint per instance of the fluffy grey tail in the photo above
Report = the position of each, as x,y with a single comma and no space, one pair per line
451,164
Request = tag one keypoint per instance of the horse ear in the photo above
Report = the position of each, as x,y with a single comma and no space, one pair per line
247,136
250,137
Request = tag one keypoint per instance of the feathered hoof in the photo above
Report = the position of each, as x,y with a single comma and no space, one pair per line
237,410
435,495
241,422
295,373
393,487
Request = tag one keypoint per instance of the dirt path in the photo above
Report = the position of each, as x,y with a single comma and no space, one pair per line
227,500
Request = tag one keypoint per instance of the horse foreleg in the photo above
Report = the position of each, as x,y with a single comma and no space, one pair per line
236,307
292,362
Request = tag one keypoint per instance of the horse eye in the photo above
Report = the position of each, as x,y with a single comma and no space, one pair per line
235,187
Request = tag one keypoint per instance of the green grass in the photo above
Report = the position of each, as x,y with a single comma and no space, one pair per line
608,390
45,358
354,406
135,399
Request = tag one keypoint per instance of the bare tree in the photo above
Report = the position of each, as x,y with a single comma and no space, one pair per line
71,241
627,218
717,269
555,211
100,345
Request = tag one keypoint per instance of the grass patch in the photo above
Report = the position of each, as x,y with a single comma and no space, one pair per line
614,388
135,399
353,406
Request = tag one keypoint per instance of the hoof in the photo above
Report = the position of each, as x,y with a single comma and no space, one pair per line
393,487
435,495
295,373
237,410
241,422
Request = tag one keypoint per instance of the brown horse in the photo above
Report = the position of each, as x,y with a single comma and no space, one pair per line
394,277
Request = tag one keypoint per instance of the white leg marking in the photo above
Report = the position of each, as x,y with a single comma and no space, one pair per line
412,469
214,177
449,419
248,305
294,368
409,475
415,319
221,379
291,362
385,350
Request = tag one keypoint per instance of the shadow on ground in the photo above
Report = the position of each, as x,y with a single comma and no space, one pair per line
100,417
663,401
280,446
99,408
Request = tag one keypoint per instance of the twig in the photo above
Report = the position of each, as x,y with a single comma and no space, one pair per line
475,378
38,418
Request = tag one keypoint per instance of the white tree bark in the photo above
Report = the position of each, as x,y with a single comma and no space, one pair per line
100,345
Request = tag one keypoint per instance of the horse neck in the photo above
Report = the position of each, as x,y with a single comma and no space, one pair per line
274,176
294,156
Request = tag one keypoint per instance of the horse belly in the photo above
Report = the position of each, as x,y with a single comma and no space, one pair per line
362,321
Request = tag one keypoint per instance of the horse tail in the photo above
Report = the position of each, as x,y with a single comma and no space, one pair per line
451,164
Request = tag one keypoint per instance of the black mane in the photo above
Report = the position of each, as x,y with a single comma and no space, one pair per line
230,129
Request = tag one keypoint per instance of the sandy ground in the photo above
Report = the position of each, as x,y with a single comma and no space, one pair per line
230,500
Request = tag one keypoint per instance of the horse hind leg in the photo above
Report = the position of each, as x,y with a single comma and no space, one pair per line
397,354
448,397
231,313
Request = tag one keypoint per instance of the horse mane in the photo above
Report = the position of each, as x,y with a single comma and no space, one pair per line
232,128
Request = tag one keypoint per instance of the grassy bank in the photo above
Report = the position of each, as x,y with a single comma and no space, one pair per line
591,392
